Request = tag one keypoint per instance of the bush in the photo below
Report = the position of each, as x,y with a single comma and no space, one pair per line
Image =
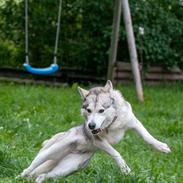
86,31
163,31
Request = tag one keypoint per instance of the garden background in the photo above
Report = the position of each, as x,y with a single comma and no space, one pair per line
86,31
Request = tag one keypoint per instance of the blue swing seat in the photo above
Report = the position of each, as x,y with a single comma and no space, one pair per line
41,71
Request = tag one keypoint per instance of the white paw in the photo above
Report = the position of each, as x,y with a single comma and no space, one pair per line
163,147
18,177
24,173
126,170
41,178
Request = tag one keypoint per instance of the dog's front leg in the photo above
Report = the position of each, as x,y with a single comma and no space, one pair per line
105,146
136,125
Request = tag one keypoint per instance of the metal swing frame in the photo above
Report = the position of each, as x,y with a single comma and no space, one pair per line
53,67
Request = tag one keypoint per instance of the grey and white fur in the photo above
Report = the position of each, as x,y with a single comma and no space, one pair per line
107,117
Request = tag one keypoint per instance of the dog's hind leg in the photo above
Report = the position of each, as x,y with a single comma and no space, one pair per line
67,166
56,151
47,143
43,168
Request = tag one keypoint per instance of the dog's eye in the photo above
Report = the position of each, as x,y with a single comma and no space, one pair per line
101,111
89,110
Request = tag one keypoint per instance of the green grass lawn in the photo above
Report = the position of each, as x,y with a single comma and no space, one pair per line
31,114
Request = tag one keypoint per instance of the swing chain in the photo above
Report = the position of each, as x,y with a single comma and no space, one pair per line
27,31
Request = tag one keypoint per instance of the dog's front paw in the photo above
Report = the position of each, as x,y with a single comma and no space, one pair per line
126,170
41,178
163,147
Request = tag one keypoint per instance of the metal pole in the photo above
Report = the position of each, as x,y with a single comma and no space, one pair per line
132,49
26,33
58,32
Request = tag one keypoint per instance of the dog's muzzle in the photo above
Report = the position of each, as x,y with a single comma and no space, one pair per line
92,126
96,131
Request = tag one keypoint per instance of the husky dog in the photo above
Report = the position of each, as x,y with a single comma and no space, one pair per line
107,116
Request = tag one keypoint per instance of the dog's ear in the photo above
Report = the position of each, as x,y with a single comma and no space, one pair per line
83,92
108,86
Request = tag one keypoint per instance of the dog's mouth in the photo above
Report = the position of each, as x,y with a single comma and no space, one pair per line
96,131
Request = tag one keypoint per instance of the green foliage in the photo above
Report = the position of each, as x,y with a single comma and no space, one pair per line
162,21
86,31
31,114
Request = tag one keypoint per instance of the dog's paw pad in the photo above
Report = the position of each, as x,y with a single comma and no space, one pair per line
40,178
163,147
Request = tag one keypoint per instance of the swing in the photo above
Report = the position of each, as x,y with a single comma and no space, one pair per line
53,67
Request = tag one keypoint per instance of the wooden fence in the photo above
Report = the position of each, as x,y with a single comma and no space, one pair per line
65,75
123,73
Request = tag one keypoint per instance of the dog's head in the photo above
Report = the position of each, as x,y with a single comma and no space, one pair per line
99,107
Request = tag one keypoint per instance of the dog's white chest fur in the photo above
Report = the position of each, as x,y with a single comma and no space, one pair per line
114,136
117,130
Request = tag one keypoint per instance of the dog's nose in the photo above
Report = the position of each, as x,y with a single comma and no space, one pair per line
91,125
